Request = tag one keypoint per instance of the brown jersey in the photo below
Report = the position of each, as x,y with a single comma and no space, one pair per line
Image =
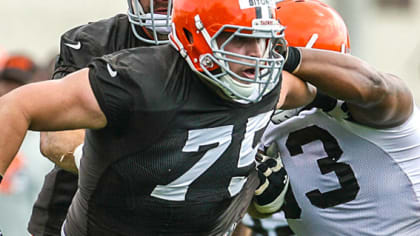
173,157
78,47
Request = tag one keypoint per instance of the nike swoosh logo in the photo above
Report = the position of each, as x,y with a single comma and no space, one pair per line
76,46
111,71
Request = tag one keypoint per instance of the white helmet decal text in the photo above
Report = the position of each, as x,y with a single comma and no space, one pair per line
244,4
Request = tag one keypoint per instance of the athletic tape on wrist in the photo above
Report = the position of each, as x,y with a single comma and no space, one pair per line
334,107
293,60
78,153
323,101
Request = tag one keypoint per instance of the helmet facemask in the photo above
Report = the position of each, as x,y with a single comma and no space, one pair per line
158,24
267,68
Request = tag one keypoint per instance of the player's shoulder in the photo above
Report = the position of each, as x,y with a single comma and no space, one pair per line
157,73
143,59
145,66
99,32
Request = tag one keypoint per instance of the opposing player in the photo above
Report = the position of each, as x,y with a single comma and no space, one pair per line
321,27
352,157
172,132
139,27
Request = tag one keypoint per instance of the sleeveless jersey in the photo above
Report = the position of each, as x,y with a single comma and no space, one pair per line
77,48
174,154
348,179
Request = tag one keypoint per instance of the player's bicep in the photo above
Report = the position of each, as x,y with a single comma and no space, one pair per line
68,103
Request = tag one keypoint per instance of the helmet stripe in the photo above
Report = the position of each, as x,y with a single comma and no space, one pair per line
264,12
258,12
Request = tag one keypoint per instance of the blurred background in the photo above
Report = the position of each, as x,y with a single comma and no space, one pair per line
31,29
385,33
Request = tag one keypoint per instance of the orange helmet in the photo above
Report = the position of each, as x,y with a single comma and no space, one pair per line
314,24
197,23
18,68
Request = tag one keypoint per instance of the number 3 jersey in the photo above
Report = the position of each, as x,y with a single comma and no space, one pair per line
348,179
173,155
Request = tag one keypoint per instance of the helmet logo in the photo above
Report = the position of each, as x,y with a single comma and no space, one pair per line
265,22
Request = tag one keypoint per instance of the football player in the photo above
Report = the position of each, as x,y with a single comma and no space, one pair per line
172,130
146,23
326,30
353,155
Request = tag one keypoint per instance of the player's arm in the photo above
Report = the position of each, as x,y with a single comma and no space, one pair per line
374,98
60,145
295,95
294,92
71,100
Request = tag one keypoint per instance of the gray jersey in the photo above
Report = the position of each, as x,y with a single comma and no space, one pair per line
348,179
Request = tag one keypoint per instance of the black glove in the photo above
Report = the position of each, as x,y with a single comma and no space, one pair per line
274,181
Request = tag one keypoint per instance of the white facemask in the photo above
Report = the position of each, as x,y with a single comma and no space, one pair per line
160,23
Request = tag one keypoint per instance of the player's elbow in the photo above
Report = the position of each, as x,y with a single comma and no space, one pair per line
47,146
13,112
44,145
374,91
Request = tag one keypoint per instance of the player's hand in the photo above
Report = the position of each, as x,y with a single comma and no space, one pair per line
274,182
